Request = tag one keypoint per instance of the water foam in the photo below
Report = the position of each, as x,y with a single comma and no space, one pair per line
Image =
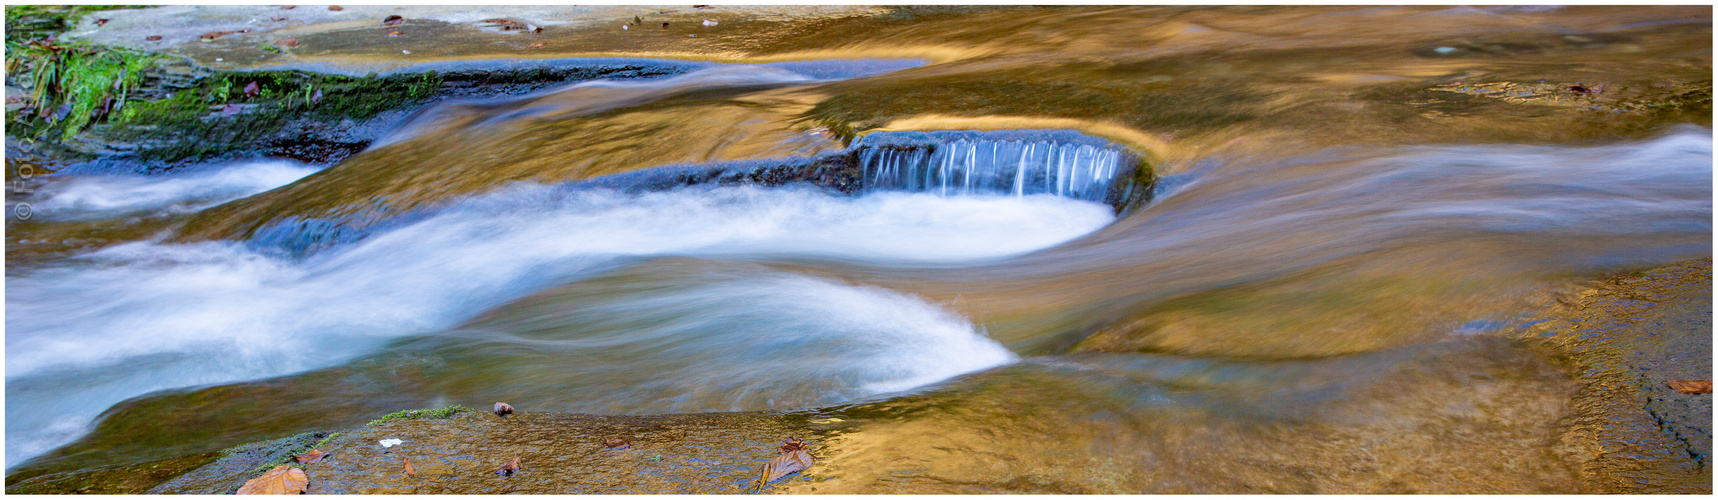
141,317
80,196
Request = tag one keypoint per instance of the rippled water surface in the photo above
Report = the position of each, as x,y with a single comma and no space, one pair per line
1162,262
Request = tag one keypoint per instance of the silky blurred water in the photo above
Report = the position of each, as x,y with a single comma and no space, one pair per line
1299,308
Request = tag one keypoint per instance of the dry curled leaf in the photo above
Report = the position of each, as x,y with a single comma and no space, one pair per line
537,45
100,22
289,42
252,89
615,444
393,21
409,470
1691,386
503,409
310,456
510,468
152,38
336,8
281,480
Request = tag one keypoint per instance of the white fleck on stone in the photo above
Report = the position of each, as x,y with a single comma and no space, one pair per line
390,442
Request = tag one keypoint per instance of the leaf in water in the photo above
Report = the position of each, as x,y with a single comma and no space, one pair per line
336,8
510,468
409,470
152,38
288,7
310,457
795,457
503,409
1691,386
615,444
538,45
393,21
288,42
281,480
252,89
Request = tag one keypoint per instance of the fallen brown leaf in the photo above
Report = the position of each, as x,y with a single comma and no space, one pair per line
537,45
503,409
794,457
289,42
336,8
505,24
212,35
393,21
281,480
100,22
310,457
252,89
510,468
409,470
152,37
395,33
615,444
1691,386
288,7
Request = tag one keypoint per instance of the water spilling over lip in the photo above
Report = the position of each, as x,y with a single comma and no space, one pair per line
144,316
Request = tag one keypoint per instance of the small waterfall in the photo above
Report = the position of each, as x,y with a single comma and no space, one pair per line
1063,163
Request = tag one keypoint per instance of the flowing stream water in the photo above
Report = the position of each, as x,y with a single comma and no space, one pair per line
1025,281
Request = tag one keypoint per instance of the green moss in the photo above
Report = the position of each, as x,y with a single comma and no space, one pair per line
439,413
282,451
191,123
72,85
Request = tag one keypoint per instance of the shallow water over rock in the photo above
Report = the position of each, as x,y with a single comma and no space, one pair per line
1115,266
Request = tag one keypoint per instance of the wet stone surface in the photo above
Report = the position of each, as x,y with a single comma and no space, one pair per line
558,453
1627,336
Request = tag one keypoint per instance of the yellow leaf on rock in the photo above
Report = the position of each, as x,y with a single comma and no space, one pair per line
281,480
1691,386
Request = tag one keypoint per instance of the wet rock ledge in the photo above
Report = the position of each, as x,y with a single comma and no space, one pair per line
557,452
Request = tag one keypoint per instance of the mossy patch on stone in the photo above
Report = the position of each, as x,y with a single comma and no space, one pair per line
437,413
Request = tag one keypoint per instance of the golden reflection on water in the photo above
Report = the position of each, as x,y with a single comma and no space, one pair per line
1281,323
